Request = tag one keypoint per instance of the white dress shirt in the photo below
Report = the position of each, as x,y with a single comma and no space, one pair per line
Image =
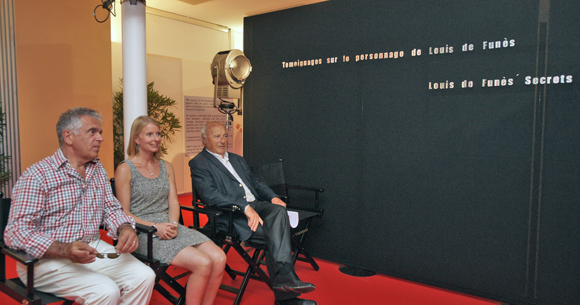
225,160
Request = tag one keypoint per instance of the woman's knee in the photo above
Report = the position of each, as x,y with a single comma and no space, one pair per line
215,254
195,261
205,261
219,259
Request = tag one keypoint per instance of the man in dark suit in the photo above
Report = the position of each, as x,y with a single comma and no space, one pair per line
223,179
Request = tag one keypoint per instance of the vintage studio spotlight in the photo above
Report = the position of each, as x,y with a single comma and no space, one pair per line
229,70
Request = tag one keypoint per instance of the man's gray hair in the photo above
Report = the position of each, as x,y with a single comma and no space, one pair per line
71,120
203,132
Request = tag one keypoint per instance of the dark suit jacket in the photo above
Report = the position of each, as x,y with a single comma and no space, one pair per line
216,186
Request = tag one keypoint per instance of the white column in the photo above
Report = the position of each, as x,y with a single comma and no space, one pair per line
134,64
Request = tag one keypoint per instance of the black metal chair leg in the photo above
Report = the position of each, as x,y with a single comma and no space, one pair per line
300,248
307,257
251,261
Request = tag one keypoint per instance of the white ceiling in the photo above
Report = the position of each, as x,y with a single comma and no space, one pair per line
228,13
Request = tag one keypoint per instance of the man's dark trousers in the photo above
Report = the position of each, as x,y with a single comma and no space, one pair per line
275,234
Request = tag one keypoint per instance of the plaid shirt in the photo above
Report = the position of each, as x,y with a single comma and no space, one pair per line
52,202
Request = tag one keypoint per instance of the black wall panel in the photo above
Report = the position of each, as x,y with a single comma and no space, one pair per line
474,189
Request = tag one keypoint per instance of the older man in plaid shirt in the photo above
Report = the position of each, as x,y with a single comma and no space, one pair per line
57,207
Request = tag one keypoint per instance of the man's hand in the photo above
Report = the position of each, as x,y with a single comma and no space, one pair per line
80,252
128,241
253,218
77,251
278,201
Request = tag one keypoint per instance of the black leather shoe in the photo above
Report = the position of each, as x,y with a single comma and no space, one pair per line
296,301
291,282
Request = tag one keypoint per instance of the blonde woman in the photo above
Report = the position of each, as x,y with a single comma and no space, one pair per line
145,186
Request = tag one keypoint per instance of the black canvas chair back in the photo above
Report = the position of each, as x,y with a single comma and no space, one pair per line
4,213
298,198
14,288
273,175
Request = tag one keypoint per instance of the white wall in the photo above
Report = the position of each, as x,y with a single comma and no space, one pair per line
179,55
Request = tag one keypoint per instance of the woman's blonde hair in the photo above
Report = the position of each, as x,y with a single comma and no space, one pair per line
136,128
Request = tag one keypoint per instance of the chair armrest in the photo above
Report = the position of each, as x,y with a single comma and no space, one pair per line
149,231
213,212
207,211
25,259
233,209
145,229
19,255
305,188
230,211
316,190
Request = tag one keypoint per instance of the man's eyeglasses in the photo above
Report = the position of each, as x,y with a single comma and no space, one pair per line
108,255
105,255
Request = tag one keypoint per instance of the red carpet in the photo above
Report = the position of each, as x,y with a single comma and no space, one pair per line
332,287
